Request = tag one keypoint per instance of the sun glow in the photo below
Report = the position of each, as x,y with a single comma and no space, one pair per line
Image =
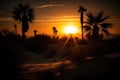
70,29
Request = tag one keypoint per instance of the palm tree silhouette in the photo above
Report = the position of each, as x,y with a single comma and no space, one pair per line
96,25
24,14
15,26
35,32
81,11
54,31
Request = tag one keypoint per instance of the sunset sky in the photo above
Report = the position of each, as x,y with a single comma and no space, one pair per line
58,13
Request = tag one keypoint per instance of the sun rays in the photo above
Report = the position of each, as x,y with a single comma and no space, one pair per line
70,43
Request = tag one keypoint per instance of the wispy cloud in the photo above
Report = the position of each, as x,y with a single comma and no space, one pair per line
6,19
57,19
50,5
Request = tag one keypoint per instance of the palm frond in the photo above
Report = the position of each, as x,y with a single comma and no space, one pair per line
26,6
106,32
30,14
89,35
99,17
17,12
90,17
21,6
87,28
96,23
81,8
106,25
104,18
17,17
23,11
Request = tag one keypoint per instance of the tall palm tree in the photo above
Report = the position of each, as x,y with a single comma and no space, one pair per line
96,25
24,14
81,11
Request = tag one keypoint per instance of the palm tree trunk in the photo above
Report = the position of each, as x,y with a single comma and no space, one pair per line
95,34
24,29
25,26
15,26
23,35
81,19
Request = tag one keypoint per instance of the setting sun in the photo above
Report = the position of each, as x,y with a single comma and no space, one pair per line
70,29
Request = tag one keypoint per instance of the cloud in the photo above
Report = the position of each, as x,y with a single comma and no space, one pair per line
50,5
57,19
6,19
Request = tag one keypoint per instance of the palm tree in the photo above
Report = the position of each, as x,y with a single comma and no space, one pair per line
81,11
23,14
96,27
35,32
15,26
54,31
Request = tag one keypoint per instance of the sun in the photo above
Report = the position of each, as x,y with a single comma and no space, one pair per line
70,29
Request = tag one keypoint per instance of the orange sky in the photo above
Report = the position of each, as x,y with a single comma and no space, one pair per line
58,13
45,25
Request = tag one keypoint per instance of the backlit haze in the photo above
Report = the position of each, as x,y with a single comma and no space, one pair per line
58,13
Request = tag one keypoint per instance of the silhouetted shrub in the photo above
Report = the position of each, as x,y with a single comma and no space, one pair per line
38,43
11,36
